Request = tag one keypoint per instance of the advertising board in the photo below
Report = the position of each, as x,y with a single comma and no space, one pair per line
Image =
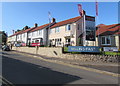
110,49
92,49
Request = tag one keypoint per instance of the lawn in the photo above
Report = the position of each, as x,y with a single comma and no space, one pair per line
112,53
65,49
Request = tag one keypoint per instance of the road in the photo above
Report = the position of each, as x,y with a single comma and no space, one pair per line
20,69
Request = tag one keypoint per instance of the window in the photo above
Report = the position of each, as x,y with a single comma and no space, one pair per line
24,35
58,41
51,31
36,41
68,27
32,33
57,29
68,40
39,32
29,34
103,40
106,40
78,27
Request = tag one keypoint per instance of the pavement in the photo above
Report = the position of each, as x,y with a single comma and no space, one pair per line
29,69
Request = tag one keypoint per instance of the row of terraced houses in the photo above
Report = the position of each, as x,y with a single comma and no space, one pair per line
70,32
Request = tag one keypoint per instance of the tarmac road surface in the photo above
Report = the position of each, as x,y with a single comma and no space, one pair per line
20,69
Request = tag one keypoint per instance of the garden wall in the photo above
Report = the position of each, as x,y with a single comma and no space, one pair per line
57,53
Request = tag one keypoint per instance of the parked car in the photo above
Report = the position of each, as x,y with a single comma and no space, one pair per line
18,45
6,48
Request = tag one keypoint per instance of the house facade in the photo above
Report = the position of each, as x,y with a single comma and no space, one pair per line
68,32
37,35
108,35
64,33
40,34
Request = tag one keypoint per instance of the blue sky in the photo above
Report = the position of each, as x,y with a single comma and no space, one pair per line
16,15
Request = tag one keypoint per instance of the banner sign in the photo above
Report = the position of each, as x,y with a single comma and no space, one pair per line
110,49
84,49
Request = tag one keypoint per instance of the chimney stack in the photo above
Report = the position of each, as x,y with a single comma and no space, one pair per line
26,27
36,24
53,20
13,31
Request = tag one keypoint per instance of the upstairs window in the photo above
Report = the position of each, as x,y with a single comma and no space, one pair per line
52,31
29,34
39,32
57,29
24,35
68,27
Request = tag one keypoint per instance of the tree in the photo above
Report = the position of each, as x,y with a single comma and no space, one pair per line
3,37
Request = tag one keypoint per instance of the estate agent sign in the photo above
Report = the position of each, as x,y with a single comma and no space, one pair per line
84,49
110,48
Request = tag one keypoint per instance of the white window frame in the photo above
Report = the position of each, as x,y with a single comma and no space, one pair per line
39,32
17,37
106,40
67,27
52,30
57,30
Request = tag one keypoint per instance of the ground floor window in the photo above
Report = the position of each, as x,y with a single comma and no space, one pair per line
105,40
56,42
67,42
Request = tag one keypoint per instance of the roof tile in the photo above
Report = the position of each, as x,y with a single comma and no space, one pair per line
108,29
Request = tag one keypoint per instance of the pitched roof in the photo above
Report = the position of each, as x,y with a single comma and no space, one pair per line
39,27
72,20
22,31
27,30
55,25
66,22
108,29
30,30
16,33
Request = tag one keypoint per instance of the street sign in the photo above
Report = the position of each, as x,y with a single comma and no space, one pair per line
84,49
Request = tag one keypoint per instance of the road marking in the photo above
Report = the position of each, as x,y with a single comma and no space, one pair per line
74,66
5,81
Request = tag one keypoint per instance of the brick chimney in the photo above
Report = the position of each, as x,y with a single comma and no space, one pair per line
53,20
26,27
35,24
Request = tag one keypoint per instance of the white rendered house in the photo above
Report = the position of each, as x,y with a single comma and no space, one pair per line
68,32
